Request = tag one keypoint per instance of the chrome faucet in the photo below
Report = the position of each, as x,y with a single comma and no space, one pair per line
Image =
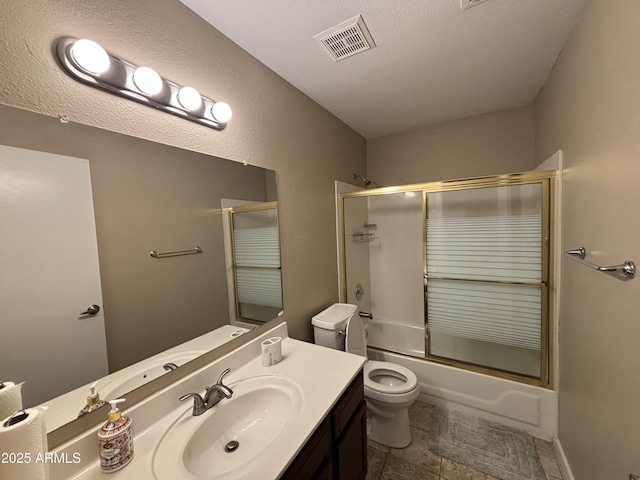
201,405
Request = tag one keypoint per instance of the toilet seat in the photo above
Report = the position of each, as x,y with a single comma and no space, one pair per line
355,337
396,379
393,379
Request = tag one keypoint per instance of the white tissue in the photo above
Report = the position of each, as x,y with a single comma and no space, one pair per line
10,399
24,444
271,351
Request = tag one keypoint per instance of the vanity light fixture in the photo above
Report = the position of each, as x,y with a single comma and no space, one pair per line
90,56
190,99
88,62
221,112
148,81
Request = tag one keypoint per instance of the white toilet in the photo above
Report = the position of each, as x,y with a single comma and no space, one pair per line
389,389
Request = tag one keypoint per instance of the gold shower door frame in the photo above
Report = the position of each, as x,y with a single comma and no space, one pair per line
546,179
253,207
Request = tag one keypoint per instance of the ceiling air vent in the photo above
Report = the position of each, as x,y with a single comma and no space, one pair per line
346,39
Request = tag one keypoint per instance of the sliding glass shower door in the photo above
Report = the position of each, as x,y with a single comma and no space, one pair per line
455,272
383,245
485,281
257,276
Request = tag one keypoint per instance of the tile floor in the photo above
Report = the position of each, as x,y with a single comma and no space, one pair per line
416,462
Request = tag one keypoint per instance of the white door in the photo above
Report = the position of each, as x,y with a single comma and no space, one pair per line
49,275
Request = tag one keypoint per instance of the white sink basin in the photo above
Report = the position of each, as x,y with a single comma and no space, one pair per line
147,371
258,416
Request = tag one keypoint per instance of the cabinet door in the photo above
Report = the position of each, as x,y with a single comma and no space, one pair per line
351,449
314,461
325,471
347,406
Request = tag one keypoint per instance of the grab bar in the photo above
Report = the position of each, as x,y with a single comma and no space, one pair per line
192,251
625,271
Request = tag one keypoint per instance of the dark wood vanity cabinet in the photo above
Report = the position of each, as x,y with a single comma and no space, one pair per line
337,449
349,430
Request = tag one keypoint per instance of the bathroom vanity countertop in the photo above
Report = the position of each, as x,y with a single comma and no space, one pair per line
65,408
322,374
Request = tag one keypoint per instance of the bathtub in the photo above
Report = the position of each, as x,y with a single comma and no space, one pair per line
525,407
390,335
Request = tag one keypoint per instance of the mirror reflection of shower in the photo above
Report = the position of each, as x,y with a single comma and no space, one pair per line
366,181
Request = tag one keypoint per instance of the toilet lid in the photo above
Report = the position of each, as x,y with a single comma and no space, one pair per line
356,341
405,380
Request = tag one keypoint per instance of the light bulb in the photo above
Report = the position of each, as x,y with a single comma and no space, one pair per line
189,98
90,56
221,112
147,80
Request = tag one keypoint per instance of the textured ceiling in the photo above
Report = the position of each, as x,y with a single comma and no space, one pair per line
433,62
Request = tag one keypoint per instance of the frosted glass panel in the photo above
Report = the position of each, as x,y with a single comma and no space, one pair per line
493,248
258,246
497,313
487,233
484,268
259,287
256,250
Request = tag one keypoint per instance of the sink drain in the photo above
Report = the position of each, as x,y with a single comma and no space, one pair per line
232,446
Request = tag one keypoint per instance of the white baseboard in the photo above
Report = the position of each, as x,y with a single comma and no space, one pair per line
563,463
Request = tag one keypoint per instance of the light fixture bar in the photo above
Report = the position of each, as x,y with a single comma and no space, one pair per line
120,78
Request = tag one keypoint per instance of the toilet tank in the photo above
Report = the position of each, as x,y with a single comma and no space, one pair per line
329,325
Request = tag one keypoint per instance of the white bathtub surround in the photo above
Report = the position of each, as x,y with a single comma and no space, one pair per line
396,270
321,375
388,267
521,406
396,337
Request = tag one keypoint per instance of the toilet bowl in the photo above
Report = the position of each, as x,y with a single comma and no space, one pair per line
389,389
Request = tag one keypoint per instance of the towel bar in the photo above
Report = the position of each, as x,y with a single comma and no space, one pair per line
192,251
625,271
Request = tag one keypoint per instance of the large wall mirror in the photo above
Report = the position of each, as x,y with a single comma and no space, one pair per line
83,298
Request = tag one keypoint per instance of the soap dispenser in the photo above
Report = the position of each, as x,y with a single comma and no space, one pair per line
93,401
115,440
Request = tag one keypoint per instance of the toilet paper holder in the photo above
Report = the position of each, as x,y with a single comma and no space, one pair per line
15,418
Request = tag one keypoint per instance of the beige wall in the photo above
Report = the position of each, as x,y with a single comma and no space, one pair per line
274,125
590,108
490,144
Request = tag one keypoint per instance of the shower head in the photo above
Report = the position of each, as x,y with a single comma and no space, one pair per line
366,182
